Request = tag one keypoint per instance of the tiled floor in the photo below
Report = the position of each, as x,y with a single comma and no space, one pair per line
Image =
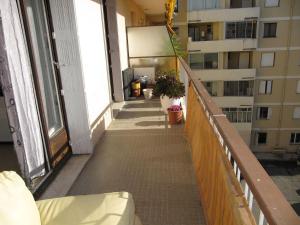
142,154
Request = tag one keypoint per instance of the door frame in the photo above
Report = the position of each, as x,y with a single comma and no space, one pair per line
51,158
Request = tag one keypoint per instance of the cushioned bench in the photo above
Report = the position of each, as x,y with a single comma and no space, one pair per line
18,207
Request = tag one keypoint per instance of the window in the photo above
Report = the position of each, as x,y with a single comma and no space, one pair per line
296,113
176,7
204,61
202,4
295,138
238,88
298,87
211,87
264,113
238,115
261,138
271,3
244,29
267,59
200,32
270,30
265,87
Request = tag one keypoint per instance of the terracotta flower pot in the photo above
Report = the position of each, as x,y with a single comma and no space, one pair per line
175,117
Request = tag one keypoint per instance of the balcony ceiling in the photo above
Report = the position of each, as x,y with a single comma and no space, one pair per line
154,7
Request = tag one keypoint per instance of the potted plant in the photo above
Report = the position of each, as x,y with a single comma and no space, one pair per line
169,89
175,114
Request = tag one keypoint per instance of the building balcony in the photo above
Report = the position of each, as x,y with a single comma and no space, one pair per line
225,74
226,45
222,15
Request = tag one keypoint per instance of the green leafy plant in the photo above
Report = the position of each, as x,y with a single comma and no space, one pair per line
167,84
179,51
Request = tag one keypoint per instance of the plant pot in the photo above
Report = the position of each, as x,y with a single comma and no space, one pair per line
148,93
167,102
175,117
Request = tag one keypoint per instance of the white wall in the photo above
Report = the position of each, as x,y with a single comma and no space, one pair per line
91,33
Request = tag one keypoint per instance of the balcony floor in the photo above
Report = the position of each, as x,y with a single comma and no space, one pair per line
142,154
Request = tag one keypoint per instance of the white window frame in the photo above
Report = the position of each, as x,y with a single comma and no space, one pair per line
265,87
296,114
295,137
269,116
271,3
268,62
298,87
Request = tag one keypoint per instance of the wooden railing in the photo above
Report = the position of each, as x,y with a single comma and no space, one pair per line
234,188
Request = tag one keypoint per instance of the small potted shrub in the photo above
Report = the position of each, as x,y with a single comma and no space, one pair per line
169,89
175,114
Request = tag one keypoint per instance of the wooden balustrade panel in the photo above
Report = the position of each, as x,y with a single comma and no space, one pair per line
220,193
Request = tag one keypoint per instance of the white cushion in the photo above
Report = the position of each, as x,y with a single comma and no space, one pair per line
17,206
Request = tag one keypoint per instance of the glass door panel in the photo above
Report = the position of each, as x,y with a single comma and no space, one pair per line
44,65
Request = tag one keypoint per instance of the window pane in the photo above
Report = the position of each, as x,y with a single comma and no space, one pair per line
267,59
262,138
196,61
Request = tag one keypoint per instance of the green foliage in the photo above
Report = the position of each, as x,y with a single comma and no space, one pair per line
167,84
177,46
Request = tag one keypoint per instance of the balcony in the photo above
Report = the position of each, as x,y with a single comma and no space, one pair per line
219,15
226,45
225,74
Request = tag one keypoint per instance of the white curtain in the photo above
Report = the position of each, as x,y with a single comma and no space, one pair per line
16,78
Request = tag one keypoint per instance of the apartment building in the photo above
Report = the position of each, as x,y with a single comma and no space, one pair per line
247,54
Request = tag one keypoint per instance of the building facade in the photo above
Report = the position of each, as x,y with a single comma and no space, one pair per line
247,54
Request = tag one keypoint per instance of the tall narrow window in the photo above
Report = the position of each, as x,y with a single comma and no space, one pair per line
265,87
298,87
296,114
270,30
267,59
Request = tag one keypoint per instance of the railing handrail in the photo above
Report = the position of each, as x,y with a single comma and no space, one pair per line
271,201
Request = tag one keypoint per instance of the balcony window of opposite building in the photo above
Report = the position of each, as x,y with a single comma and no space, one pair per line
265,87
267,59
211,87
261,138
242,3
204,61
244,29
271,3
264,113
238,88
201,32
270,30
238,115
296,114
295,138
194,5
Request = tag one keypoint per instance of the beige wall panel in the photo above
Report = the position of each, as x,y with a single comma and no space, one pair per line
281,35
291,94
287,118
296,10
268,147
281,11
295,35
285,141
279,64
294,63
134,15
274,97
